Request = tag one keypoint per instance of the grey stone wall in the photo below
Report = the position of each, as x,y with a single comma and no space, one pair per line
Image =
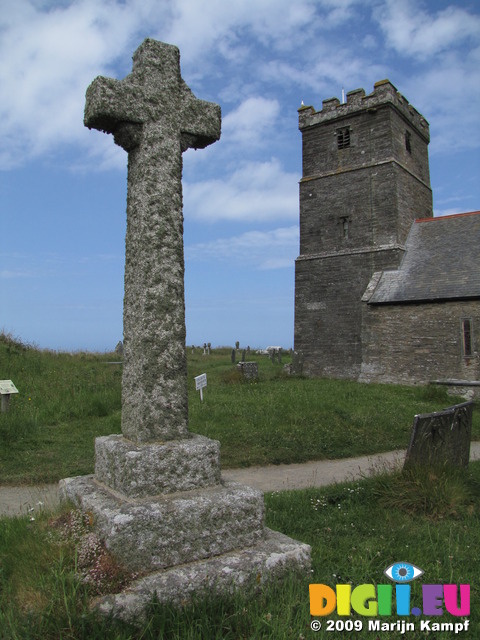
328,314
413,343
357,205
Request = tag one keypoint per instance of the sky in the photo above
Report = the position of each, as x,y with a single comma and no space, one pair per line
63,187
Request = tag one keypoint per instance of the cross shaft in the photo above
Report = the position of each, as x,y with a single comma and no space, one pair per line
154,116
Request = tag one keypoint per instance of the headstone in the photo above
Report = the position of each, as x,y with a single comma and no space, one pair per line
441,438
249,370
234,356
157,497
297,363
119,348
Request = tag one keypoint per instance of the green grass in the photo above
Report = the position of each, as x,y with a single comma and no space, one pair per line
355,529
66,400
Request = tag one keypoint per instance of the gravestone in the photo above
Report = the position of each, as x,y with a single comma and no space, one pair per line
249,370
441,438
297,363
157,497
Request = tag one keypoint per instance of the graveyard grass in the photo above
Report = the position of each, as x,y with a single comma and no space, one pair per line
355,529
66,400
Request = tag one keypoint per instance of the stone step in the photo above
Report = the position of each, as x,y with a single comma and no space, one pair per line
157,532
273,558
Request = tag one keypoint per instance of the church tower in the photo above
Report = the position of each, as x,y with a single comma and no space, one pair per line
365,180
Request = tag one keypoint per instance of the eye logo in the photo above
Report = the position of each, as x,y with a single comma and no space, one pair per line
402,572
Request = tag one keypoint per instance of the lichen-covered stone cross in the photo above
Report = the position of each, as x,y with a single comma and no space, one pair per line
154,116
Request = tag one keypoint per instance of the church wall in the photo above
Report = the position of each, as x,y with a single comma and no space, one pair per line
417,343
328,315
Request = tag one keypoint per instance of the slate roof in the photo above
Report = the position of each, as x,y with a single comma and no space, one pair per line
441,262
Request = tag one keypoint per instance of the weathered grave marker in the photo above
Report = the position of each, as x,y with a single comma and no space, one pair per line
297,362
441,438
249,370
157,497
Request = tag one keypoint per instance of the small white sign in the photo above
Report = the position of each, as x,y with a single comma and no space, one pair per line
7,387
201,383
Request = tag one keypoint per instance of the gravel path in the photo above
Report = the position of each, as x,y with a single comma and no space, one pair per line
25,500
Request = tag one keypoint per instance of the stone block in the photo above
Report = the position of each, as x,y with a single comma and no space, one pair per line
138,470
270,559
155,533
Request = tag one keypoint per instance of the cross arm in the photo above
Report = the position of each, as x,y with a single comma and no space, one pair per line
201,122
108,104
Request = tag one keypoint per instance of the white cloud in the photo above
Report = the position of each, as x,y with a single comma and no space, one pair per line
414,32
257,191
274,249
48,56
248,124
448,95
321,71
203,26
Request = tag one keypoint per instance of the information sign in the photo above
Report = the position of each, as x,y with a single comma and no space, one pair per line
201,383
7,387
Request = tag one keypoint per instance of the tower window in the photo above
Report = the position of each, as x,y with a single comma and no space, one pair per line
408,141
467,337
343,138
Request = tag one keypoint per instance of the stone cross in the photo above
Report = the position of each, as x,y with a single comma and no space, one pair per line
154,116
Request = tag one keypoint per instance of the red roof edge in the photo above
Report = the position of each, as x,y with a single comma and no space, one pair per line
453,215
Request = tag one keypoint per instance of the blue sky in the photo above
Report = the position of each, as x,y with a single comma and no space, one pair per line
63,187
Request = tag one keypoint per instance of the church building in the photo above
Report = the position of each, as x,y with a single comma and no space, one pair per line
384,291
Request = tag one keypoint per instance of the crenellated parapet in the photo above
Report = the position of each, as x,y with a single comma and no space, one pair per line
384,93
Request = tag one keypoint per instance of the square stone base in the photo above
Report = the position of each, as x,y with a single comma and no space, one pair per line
138,470
271,559
161,531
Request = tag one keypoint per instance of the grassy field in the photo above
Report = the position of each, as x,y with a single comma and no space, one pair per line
66,400
356,531
51,566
